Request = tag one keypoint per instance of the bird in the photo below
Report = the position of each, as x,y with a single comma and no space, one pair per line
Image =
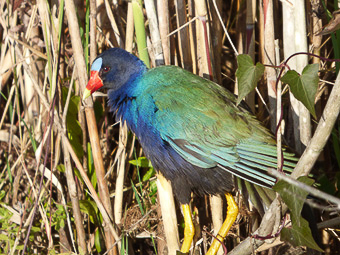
191,129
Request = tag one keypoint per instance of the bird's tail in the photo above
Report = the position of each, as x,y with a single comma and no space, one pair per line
259,197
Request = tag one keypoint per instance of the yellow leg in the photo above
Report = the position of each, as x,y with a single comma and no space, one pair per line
232,212
189,229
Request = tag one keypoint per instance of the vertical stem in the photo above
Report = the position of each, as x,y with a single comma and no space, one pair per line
301,62
93,29
250,44
163,19
72,189
192,36
155,36
129,29
216,39
289,49
216,204
206,43
316,28
118,206
91,120
183,35
138,18
100,173
113,22
269,53
239,32
240,19
167,202
278,111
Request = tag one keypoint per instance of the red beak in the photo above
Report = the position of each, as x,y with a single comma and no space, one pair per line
94,84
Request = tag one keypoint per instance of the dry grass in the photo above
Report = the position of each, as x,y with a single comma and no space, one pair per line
45,129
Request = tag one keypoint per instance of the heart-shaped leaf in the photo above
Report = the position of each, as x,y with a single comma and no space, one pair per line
300,236
247,75
294,197
304,86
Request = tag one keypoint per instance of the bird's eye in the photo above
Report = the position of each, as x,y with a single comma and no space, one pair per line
106,69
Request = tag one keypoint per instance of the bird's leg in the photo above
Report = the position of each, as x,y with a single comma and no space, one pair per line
189,229
232,212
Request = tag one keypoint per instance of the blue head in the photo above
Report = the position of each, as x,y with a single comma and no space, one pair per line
113,69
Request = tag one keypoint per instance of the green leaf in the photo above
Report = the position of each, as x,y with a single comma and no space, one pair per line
62,223
97,239
139,201
90,208
326,185
9,173
300,236
30,133
154,244
91,171
35,229
19,247
294,197
73,107
98,110
78,174
153,192
75,135
336,145
124,245
304,86
153,186
288,191
247,75
4,237
61,168
73,126
2,194
151,172
141,162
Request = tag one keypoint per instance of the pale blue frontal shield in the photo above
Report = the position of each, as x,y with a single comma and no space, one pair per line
97,64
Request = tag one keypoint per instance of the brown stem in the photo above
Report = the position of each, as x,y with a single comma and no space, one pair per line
90,117
72,189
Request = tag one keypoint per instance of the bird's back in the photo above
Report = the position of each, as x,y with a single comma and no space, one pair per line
200,107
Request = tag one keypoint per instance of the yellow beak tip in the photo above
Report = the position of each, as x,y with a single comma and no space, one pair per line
86,93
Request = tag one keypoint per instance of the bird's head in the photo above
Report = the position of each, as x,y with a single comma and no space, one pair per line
113,69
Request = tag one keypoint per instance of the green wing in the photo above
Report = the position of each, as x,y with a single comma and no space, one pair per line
201,122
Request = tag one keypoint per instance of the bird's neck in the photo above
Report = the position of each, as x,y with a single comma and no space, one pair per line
119,99
126,88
